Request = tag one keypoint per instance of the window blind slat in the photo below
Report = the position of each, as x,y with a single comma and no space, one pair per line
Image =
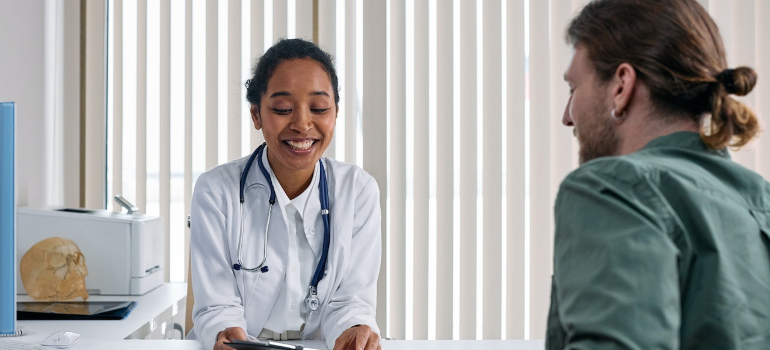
492,169
280,20
304,19
188,128
257,49
327,40
141,106
743,53
177,212
211,84
198,59
94,104
468,166
563,156
515,171
245,124
396,316
130,77
540,169
350,112
762,91
577,5
152,160
165,128
234,87
152,118
117,100
444,61
420,170
375,103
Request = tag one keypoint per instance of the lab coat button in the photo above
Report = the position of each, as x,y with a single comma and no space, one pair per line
293,306
312,230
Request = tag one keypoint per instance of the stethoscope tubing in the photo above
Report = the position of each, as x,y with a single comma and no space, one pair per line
311,300
261,267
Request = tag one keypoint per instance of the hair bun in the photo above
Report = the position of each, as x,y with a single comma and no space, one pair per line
739,81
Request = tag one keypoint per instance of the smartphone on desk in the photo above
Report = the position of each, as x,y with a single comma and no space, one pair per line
264,345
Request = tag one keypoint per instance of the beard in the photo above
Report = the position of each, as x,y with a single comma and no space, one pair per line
598,139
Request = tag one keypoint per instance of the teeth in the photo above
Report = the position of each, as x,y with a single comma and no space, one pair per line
300,145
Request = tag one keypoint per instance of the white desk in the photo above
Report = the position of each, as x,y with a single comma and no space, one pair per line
157,312
86,344
463,344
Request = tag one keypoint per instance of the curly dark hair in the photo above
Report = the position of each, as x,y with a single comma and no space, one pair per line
283,50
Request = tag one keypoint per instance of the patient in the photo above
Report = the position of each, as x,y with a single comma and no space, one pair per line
661,242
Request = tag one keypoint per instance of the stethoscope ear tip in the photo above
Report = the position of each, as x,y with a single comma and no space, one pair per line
236,267
264,269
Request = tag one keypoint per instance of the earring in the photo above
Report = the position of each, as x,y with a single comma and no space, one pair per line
618,118
705,124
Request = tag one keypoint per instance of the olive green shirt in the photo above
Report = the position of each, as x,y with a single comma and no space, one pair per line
665,248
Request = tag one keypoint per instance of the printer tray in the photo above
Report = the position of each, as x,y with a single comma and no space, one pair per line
73,310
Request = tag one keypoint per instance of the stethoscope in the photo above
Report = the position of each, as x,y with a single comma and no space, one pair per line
311,300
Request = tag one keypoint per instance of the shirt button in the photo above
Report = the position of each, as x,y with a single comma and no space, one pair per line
293,306
293,269
312,230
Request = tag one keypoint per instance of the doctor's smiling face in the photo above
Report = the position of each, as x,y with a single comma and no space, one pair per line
589,108
297,114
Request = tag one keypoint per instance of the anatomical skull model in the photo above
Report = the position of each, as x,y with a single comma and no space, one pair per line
54,269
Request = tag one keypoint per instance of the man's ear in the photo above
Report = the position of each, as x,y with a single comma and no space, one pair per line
623,86
255,117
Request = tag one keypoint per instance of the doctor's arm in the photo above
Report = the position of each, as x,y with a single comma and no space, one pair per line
349,318
217,299
616,280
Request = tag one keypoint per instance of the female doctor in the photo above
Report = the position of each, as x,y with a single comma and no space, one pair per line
285,243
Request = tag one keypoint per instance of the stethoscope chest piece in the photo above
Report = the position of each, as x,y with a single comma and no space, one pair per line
311,300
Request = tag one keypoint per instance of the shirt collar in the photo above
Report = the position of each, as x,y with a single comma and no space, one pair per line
687,140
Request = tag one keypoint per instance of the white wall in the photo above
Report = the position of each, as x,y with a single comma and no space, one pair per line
21,81
33,34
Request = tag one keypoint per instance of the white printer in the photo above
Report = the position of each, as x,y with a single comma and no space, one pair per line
124,252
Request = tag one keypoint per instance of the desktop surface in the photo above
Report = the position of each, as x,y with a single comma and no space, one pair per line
386,344
170,298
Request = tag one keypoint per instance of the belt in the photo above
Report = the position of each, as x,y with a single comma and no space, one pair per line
267,334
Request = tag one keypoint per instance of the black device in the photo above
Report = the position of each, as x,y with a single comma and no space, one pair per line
73,310
263,345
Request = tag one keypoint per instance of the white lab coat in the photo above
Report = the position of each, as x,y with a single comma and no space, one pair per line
227,298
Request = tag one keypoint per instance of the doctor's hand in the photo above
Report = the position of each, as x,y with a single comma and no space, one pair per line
358,338
228,335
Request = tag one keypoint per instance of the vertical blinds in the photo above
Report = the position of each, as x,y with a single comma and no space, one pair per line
453,106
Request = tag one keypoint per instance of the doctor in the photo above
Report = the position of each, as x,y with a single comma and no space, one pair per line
305,266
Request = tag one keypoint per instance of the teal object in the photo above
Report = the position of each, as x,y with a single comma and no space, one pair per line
7,221
665,248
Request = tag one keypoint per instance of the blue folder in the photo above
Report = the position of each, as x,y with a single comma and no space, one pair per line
7,221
